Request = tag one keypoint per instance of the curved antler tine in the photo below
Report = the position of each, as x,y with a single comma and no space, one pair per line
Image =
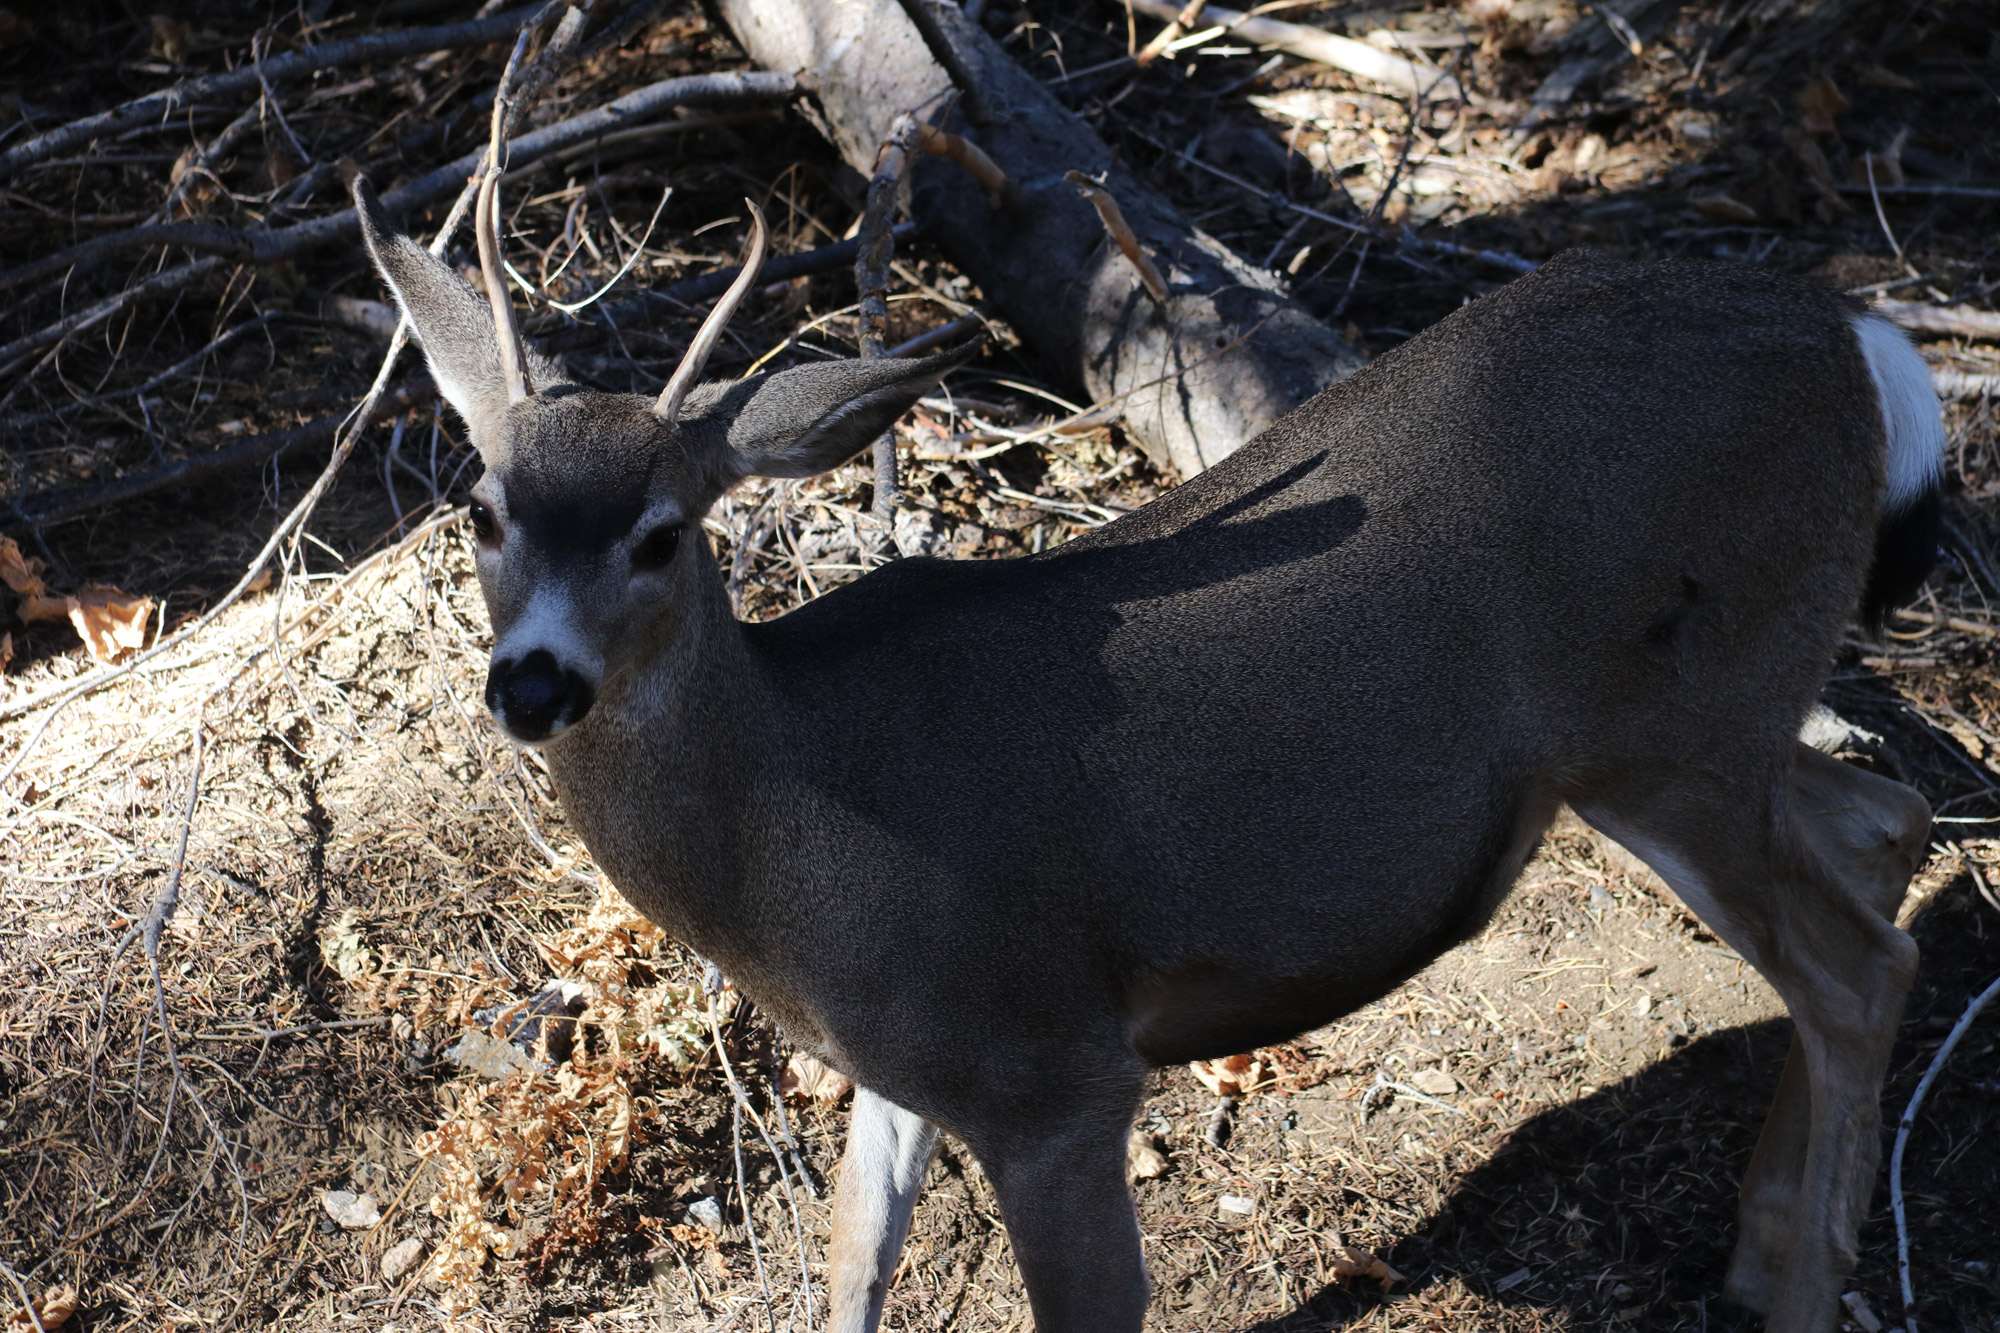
689,370
486,227
486,230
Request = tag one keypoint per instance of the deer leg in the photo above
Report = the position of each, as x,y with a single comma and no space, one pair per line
1072,1227
1803,883
888,1152
1870,832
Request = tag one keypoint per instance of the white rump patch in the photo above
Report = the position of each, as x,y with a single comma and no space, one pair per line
1911,420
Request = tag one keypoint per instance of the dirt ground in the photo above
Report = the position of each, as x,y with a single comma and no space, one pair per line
1541,1131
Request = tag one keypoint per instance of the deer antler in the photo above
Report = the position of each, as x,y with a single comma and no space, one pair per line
689,370
486,227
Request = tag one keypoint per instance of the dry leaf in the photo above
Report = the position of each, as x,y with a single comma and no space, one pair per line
1875,76
1721,206
43,608
21,573
807,1079
1434,1083
352,1211
1821,101
53,1310
111,623
1143,1158
1358,1263
1233,1077
170,38
1828,206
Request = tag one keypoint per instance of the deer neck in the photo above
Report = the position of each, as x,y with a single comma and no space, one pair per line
655,776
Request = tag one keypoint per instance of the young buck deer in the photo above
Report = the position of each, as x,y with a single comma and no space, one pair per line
996,838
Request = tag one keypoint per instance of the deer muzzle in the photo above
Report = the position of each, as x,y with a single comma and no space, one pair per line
535,697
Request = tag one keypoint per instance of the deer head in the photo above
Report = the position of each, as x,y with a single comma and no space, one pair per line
588,516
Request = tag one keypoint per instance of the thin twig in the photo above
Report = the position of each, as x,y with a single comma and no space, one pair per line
1903,1125
27,1301
711,985
970,158
871,280
155,923
1875,194
1176,28
23,420
1120,231
279,243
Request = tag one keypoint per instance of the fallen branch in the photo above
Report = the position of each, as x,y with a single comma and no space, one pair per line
1342,53
1957,320
161,105
282,243
160,284
1041,256
22,420
1964,384
252,450
58,697
1403,239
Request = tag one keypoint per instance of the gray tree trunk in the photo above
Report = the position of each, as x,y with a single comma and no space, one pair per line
1227,355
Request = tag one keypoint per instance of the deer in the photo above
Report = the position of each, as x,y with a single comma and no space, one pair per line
997,838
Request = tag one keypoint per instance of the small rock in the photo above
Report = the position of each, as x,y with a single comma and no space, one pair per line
1861,1312
488,1057
706,1212
1434,1083
1643,1005
352,1211
401,1258
1235,1210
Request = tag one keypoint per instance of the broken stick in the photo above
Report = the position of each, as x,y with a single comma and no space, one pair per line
1120,231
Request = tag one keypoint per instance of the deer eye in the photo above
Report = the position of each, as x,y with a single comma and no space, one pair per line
483,526
656,549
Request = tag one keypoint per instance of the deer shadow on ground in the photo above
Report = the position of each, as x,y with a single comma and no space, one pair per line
1619,1206
1618,1210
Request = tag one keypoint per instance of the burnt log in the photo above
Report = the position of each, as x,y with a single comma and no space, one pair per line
1194,376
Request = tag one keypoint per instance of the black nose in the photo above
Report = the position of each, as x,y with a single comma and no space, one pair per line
534,697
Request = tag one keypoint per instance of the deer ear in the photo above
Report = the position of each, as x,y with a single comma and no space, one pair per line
811,418
453,322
